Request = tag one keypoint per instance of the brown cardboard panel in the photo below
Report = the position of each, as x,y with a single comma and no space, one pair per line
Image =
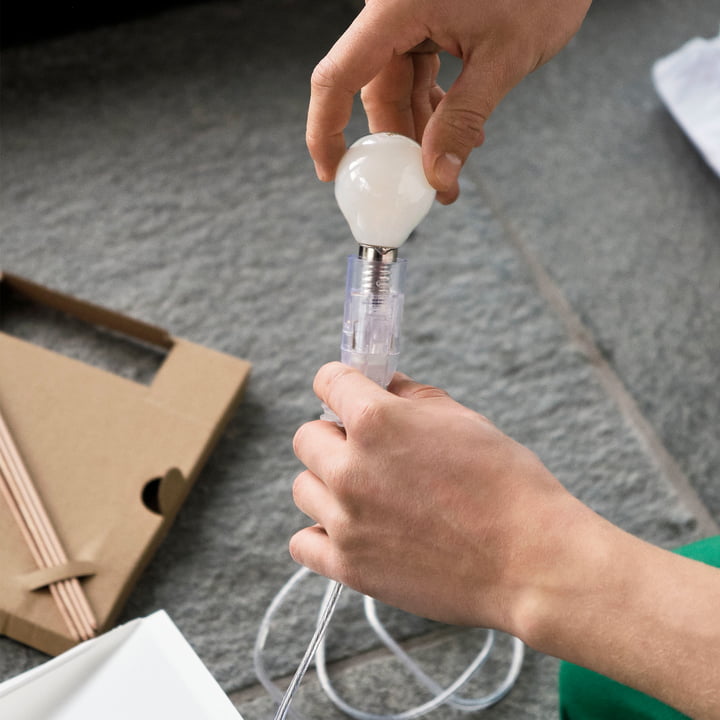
92,441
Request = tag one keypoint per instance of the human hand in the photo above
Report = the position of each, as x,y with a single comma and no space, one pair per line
423,503
390,52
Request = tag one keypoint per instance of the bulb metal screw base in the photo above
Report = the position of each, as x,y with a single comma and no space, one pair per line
377,263
378,254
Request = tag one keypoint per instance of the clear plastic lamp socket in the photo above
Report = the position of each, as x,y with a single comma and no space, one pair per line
383,193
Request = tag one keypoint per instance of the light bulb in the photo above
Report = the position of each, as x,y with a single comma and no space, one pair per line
382,191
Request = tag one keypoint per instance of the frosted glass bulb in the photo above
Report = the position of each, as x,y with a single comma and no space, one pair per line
381,188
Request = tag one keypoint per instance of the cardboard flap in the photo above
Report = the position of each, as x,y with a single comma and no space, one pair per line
42,577
89,312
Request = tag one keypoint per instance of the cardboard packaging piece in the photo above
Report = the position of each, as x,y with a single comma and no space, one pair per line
95,444
143,670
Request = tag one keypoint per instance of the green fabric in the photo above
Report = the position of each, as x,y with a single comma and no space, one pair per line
585,695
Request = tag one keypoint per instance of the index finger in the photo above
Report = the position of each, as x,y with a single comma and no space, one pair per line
367,46
347,392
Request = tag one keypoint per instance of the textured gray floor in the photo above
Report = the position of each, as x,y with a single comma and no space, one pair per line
159,168
625,215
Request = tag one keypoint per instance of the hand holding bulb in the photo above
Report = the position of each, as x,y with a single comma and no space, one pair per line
391,52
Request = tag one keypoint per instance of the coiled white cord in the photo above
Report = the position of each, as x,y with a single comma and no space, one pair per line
317,646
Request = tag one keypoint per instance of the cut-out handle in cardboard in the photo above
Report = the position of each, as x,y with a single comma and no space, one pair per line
23,317
163,495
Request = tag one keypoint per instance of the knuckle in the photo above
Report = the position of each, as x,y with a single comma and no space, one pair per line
340,568
313,141
327,380
297,440
343,480
485,420
325,74
343,530
464,125
425,392
295,549
297,488
349,573
353,567
374,99
371,418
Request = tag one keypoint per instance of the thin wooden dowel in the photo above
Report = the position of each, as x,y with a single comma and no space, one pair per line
36,522
33,522
48,550
54,591
41,529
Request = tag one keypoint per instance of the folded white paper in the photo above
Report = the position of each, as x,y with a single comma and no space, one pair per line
688,81
143,670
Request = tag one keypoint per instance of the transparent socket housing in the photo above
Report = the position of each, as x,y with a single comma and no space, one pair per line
374,296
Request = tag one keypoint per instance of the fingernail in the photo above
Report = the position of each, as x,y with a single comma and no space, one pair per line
322,173
447,170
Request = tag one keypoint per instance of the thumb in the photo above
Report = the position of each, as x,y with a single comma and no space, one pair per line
457,126
346,391
405,387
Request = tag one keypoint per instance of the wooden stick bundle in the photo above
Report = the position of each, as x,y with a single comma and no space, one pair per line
32,519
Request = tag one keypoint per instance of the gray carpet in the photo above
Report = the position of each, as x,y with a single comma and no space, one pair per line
158,167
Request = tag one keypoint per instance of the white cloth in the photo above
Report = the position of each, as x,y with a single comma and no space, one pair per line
688,81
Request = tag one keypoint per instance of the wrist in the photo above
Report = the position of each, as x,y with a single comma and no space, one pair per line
576,558
624,608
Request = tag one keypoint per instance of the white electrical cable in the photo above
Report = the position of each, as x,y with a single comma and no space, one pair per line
317,647
326,611
448,695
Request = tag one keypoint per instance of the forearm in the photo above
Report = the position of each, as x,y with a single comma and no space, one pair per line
643,616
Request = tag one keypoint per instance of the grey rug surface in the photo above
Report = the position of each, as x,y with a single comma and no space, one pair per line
158,167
